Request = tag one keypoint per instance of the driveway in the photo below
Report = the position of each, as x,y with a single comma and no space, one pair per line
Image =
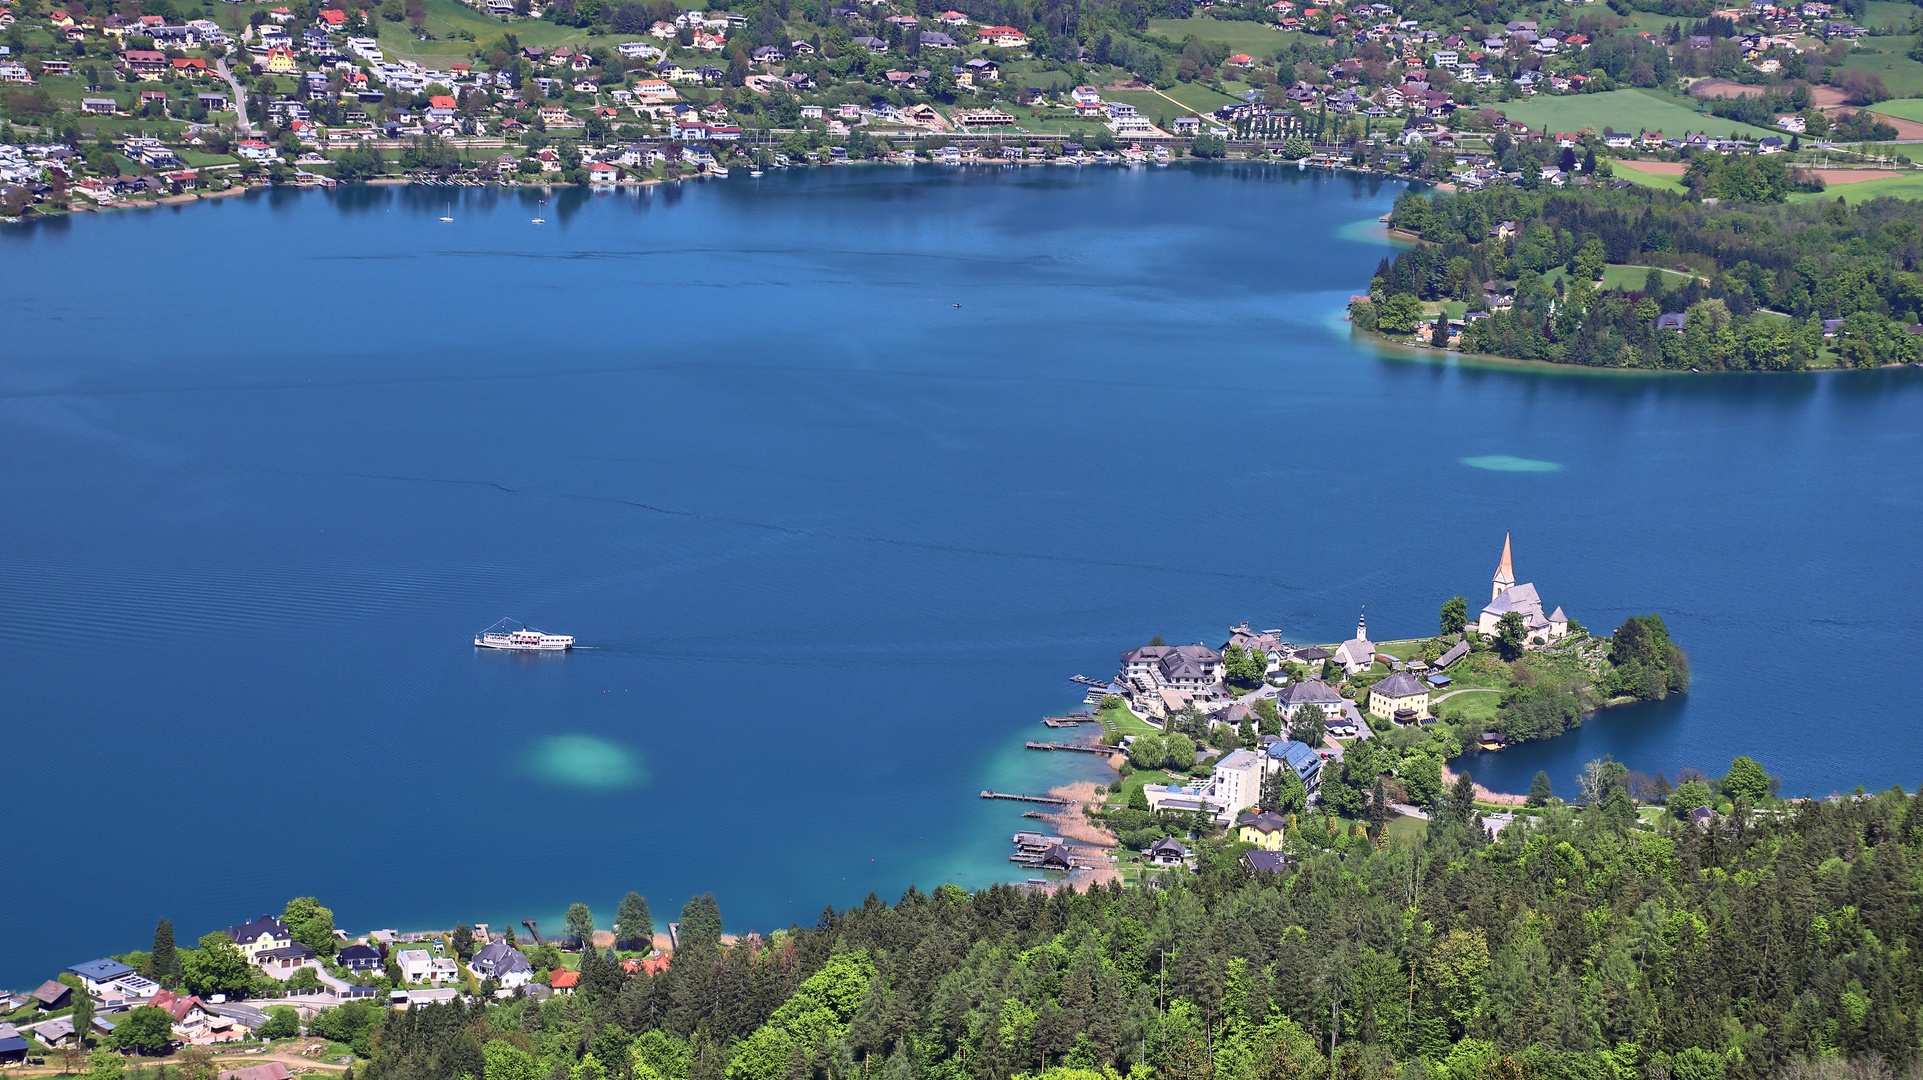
240,98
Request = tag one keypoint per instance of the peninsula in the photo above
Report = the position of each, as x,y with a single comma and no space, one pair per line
1204,736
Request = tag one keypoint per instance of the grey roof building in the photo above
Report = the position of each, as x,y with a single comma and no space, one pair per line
1299,695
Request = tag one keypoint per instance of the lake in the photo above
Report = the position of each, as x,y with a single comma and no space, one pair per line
836,476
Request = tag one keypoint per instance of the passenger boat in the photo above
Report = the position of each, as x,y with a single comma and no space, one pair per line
508,634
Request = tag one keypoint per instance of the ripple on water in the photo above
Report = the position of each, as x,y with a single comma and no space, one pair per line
589,762
1510,463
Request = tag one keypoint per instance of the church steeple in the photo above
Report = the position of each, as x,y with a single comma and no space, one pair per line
1505,573
1362,624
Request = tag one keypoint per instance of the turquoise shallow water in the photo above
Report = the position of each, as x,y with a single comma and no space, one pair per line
831,543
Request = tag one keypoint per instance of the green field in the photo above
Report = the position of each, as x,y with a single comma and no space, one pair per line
1884,58
1899,187
1626,170
1886,15
1622,110
447,19
1901,108
1257,39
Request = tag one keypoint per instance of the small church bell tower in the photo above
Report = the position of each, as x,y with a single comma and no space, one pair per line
1505,573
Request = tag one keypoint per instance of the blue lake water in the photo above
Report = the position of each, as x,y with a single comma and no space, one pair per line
831,543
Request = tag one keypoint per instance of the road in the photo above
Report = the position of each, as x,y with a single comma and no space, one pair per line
240,97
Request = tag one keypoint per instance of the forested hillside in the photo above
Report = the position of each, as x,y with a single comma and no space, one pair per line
1578,946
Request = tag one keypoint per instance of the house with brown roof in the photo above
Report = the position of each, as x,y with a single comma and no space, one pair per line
53,995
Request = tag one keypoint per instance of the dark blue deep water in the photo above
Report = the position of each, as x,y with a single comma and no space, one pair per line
833,543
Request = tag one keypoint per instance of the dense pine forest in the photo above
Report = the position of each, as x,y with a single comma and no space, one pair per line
1581,944
1757,283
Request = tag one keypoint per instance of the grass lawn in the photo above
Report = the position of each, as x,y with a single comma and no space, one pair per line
1201,98
1626,170
1631,278
1900,187
1406,828
1147,102
1118,718
1476,708
1622,110
1133,782
200,160
446,19
1257,39
1884,58
1901,108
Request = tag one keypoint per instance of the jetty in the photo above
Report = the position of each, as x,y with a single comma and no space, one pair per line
1086,681
1049,799
1103,750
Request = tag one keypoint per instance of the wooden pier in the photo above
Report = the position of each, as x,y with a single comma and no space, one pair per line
1103,750
1049,799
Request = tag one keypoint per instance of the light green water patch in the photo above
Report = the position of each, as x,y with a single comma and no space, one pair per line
1510,463
1371,231
587,762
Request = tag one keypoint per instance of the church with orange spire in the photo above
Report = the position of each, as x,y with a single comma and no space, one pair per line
1506,596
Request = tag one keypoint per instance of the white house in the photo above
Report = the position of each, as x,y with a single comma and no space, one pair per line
421,966
1300,695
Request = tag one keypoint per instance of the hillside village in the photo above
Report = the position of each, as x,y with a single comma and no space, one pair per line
138,100
271,978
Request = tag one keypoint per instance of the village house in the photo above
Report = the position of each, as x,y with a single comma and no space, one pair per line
1399,698
421,966
359,957
1266,831
1300,695
1297,756
503,963
97,975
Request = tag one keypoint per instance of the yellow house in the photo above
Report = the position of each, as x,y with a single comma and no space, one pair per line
281,61
1265,830
1397,693
259,936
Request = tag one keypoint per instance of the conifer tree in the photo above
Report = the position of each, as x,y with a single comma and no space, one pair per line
1539,790
163,964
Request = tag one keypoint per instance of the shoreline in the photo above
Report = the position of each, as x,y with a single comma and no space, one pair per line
81,205
1390,349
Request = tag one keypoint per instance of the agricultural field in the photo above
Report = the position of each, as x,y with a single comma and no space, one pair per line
1620,110
1901,108
1626,170
1899,187
1259,40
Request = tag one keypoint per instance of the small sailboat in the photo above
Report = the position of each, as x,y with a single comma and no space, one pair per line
540,221
754,172
449,215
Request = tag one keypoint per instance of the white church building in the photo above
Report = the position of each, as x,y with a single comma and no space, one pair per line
1506,596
